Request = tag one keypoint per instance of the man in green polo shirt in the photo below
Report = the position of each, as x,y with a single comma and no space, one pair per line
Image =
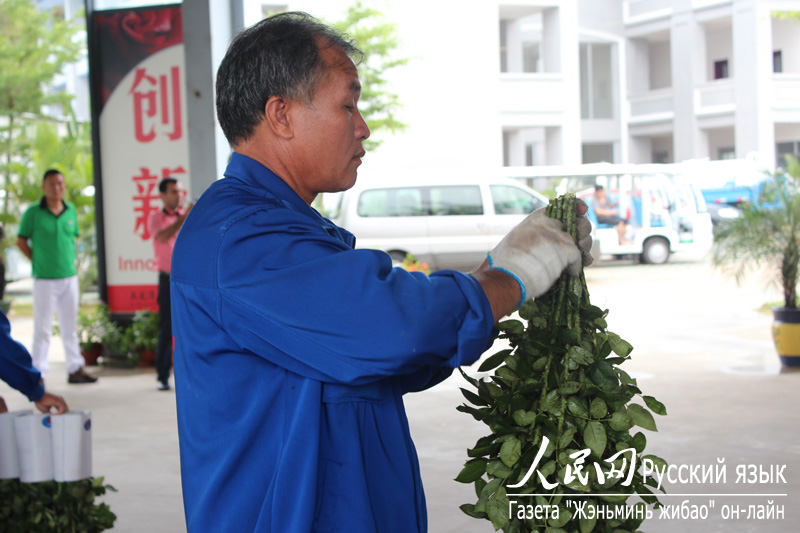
46,236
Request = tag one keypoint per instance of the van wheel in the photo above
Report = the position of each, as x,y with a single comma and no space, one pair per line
655,252
397,257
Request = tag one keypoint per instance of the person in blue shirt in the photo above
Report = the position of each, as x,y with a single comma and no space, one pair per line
293,350
16,369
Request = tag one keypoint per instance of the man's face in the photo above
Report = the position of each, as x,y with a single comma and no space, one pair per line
600,194
330,132
53,187
173,196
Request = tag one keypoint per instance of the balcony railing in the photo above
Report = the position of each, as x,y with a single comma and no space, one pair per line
786,92
651,106
533,93
715,98
644,10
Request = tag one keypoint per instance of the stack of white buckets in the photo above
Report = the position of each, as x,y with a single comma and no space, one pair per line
43,447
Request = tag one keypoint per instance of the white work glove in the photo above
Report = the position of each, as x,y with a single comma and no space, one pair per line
537,250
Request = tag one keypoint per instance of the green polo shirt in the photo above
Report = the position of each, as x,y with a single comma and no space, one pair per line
52,239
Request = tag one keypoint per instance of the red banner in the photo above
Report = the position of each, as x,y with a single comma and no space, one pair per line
139,84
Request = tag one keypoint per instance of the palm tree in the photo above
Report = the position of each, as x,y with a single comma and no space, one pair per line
767,233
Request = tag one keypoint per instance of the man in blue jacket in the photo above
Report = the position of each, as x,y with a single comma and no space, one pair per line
292,349
16,369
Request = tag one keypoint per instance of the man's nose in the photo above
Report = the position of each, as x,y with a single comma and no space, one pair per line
361,129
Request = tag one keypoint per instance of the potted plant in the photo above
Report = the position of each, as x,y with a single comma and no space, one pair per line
768,234
93,326
145,336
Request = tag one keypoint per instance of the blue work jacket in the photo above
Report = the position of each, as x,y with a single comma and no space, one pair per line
16,366
292,354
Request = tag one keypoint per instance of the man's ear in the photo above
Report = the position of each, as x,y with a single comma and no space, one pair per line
278,118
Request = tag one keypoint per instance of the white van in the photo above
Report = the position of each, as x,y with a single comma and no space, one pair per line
447,223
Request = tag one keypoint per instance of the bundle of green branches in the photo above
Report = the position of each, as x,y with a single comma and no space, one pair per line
561,457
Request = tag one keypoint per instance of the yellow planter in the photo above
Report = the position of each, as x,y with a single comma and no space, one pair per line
786,334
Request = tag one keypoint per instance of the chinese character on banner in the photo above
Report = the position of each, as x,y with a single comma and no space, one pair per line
145,199
154,93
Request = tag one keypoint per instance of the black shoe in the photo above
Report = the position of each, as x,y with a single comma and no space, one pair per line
163,385
80,376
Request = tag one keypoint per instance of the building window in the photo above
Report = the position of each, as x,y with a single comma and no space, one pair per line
661,157
777,61
786,148
597,81
720,69
597,153
520,44
726,153
530,154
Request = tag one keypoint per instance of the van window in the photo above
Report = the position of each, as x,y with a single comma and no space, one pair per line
400,202
510,200
456,200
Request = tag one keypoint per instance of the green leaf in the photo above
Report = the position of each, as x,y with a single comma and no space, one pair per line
620,421
497,468
595,437
598,409
494,361
602,374
487,492
658,463
567,437
473,398
552,403
654,405
642,417
577,406
639,442
497,509
592,312
510,451
472,471
510,326
564,516
620,347
472,381
480,483
524,418
580,356
477,414
569,388
469,509
587,524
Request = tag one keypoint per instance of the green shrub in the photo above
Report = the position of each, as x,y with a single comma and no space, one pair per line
54,507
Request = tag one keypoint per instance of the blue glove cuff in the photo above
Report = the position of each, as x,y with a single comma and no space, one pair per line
521,285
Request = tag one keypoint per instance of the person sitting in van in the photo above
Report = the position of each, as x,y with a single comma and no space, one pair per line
606,214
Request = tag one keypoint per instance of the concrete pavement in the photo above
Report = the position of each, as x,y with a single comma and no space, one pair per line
700,347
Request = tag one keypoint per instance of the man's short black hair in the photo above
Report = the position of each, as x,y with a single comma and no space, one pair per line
162,186
278,56
50,172
598,188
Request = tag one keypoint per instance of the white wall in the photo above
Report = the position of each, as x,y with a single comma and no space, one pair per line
660,65
720,138
786,38
718,47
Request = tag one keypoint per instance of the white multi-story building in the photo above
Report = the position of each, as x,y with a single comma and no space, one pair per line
538,82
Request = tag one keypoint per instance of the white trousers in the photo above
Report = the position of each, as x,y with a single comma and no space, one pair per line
59,295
